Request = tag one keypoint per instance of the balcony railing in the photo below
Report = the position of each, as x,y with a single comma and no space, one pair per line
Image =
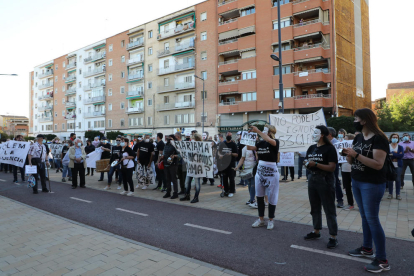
46,85
312,96
95,71
134,110
176,105
45,119
70,104
44,108
70,78
229,103
228,21
135,44
229,61
227,41
135,76
136,93
224,2
71,65
228,82
184,46
46,74
95,57
46,97
70,91
312,46
93,85
175,31
176,67
305,23
70,116
313,71
164,52
96,99
138,59
94,114
176,86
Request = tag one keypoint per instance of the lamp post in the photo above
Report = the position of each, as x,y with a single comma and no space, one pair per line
203,95
279,58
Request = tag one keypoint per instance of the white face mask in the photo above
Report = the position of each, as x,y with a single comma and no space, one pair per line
146,140
316,135
79,144
265,130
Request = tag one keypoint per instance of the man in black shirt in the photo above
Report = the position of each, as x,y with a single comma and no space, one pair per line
115,156
144,156
158,156
227,154
106,154
239,152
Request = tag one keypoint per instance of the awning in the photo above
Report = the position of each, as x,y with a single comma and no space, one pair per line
99,46
277,43
227,12
99,103
248,49
250,29
229,34
74,70
134,97
186,52
135,80
72,107
49,65
229,52
306,35
246,7
322,88
71,55
306,11
308,59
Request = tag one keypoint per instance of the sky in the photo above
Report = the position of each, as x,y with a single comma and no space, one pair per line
36,31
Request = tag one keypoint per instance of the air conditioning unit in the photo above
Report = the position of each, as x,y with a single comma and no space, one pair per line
198,124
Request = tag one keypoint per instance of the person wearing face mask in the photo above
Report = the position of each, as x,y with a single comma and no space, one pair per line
408,159
144,156
88,149
239,155
341,135
181,168
106,154
66,170
367,157
127,167
96,142
158,156
227,153
115,156
396,154
171,156
15,168
321,160
77,163
37,157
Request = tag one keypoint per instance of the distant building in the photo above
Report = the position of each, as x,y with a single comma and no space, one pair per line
399,88
14,125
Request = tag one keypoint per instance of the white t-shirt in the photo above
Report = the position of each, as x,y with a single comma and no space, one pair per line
346,167
250,158
128,162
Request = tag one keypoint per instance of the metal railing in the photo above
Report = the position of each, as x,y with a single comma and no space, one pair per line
45,119
305,23
224,2
135,76
313,71
45,97
175,31
44,108
229,61
134,44
227,41
46,85
176,105
229,103
136,93
95,57
176,67
71,65
70,104
95,71
47,73
70,116
70,91
184,46
136,60
313,96
134,110
71,78
299,1
176,86
312,46
96,99
163,52
228,82
93,85
94,114
228,21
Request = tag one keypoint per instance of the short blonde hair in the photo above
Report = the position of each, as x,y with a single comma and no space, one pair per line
198,137
272,131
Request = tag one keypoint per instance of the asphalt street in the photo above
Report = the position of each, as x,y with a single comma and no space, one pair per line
220,238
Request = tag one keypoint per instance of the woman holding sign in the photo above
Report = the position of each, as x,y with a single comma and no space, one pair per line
267,175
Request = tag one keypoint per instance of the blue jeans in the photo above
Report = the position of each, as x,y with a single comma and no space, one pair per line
66,171
188,180
397,182
111,173
368,196
252,189
338,189
58,164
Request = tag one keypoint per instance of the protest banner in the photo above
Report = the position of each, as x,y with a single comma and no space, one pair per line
287,159
56,150
198,156
294,131
92,157
30,169
14,153
248,139
342,145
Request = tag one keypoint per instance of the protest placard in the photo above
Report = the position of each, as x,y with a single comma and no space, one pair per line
287,159
56,150
92,157
294,131
14,153
198,157
248,139
30,169
342,145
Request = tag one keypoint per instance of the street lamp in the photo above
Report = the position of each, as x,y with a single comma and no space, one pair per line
279,59
203,94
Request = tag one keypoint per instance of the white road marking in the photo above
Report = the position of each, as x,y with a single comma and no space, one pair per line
132,212
75,198
362,260
3,180
207,228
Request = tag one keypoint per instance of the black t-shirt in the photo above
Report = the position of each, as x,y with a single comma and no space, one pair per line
267,152
105,154
239,150
160,147
145,151
323,155
227,160
116,153
363,173
64,150
169,150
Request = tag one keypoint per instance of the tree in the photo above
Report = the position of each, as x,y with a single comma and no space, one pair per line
113,134
91,134
398,113
49,137
4,136
344,122
29,138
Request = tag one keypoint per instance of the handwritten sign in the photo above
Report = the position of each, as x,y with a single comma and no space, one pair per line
287,159
294,131
56,150
14,153
342,145
198,156
30,169
248,139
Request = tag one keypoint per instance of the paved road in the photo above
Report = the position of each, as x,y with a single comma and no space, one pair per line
240,248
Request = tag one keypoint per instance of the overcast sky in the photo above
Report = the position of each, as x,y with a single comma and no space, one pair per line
36,31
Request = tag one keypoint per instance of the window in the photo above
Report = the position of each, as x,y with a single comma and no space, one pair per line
282,2
63,112
166,81
285,70
203,16
185,119
123,59
109,123
55,114
56,78
110,62
122,89
36,74
109,107
80,58
35,128
178,119
56,67
149,102
166,46
204,55
166,99
150,51
203,36
166,63
63,88
187,98
204,94
204,75
249,75
122,43
80,84
80,71
110,77
55,102
80,98
150,34
63,126
150,121
110,92
149,67
287,93
56,90
166,119
248,11
35,116
122,105
79,125
283,23
122,74
110,48
122,122
43,127
89,125
64,64
251,96
63,100
149,84
140,121
80,110
188,79
285,47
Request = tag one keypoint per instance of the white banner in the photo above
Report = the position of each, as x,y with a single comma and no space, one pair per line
342,145
14,153
248,139
56,150
92,157
287,159
198,157
294,131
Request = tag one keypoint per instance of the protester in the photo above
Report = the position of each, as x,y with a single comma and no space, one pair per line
170,166
218,160
367,157
56,157
228,153
18,138
240,147
181,169
37,157
77,164
267,175
285,173
346,179
144,157
106,154
396,154
116,156
248,162
338,189
158,156
66,170
96,142
72,137
321,161
188,180
408,159
127,167
214,149
88,149
301,158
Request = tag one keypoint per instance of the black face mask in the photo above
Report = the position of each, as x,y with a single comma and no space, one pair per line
228,138
187,139
358,126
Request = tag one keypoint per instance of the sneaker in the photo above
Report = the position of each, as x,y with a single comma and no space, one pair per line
332,243
270,225
137,187
174,196
348,208
254,205
123,193
362,252
249,202
107,188
378,266
389,196
312,236
130,194
220,186
340,205
266,204
45,190
70,179
258,223
399,197
230,195
16,182
63,180
119,188
145,187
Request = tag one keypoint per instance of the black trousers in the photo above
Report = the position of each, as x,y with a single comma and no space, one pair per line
6,167
41,172
127,179
205,180
228,176
286,172
160,178
89,171
15,172
407,163
347,182
78,169
182,175
171,176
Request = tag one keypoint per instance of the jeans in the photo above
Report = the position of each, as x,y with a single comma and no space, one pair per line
78,169
252,189
111,173
102,175
66,171
407,163
368,197
346,181
171,176
58,164
188,181
397,182
15,172
228,174
127,179
321,191
338,189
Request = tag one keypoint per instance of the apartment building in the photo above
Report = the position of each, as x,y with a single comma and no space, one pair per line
14,125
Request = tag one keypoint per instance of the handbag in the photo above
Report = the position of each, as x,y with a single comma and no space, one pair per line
161,165
391,172
246,174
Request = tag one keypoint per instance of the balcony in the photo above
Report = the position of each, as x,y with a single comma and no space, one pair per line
71,65
70,91
135,44
70,104
95,57
176,105
45,108
226,5
134,110
96,99
241,106
176,86
136,60
304,5
136,93
93,85
135,77
227,66
70,117
94,114
306,101
228,45
228,86
46,85
70,78
45,119
312,76
46,74
176,31
176,68
176,49
311,51
46,97
310,27
96,71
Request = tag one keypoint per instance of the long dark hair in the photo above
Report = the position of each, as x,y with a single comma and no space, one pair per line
325,131
371,121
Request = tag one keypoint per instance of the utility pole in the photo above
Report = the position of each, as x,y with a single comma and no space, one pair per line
203,96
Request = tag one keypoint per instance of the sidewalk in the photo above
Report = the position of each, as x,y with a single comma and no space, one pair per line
397,216
33,242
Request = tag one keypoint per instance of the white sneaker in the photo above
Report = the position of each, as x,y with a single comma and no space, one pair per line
231,195
124,193
266,204
254,205
130,194
119,188
270,225
107,188
137,187
145,187
258,223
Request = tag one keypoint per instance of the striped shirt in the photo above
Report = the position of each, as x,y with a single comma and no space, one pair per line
36,151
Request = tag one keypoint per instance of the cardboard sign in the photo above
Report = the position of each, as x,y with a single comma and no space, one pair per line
342,145
198,157
30,169
56,150
14,153
248,139
287,159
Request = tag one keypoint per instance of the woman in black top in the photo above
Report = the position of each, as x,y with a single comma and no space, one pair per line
367,157
321,160
127,167
267,175
88,149
170,166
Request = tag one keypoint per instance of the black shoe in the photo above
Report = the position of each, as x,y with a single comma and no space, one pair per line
332,243
185,198
91,174
74,187
239,184
249,202
195,200
293,179
340,205
57,170
284,179
378,266
35,192
174,196
204,183
299,177
181,193
100,179
87,174
156,188
69,178
312,236
167,195
226,194
362,252
212,184
45,190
